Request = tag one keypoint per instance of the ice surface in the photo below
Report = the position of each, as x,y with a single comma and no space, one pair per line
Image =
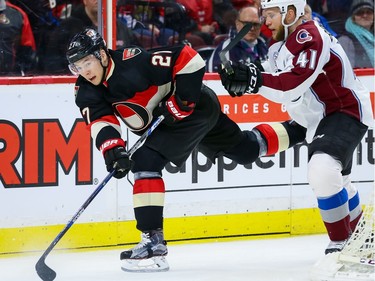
276,259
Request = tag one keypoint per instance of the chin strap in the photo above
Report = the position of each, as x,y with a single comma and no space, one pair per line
286,31
102,81
104,67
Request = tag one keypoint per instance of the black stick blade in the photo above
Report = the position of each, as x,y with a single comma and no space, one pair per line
44,271
225,62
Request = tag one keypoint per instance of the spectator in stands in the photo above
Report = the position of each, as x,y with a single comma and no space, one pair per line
239,4
334,11
82,16
17,43
310,15
265,32
202,23
320,6
42,21
358,40
252,48
224,13
148,21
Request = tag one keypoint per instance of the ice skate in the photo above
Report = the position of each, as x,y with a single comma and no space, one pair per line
335,246
148,255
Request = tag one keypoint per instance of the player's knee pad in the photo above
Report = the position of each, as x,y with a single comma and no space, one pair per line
347,183
324,175
279,136
147,159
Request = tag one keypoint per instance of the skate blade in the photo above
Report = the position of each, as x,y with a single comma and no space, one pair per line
154,264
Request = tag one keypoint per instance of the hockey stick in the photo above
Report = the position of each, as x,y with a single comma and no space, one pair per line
44,271
226,63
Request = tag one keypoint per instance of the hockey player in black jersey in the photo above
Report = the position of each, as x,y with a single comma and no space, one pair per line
136,86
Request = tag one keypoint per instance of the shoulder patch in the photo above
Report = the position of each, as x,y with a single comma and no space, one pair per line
303,36
129,53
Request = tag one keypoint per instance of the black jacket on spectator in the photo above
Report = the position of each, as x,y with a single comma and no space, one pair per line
17,44
55,61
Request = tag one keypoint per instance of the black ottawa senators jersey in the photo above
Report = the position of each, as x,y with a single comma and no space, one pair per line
135,82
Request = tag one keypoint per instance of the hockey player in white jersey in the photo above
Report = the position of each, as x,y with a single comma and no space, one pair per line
309,72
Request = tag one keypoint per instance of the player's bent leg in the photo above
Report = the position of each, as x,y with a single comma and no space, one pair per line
277,137
246,151
245,147
324,176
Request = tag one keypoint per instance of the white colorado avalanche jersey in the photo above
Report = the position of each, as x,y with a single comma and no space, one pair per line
311,75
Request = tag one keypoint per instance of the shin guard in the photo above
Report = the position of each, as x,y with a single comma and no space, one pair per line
148,200
280,136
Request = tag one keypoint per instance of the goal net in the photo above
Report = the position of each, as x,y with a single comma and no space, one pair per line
357,259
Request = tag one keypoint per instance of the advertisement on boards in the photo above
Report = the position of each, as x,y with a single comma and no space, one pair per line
49,164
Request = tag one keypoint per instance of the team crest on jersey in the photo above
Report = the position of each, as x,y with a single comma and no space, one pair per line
134,115
130,53
303,36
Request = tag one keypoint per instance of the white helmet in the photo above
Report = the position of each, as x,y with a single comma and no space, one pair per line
283,5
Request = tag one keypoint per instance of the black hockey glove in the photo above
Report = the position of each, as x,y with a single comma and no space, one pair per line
174,109
116,157
244,79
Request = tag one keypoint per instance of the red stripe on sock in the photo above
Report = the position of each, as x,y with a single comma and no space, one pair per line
339,230
271,137
148,186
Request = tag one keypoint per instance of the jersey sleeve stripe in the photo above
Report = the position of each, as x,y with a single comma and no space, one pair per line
189,61
105,121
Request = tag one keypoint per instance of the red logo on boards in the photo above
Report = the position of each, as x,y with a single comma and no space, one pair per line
44,150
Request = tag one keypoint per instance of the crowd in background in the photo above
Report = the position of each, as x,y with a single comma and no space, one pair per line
34,33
